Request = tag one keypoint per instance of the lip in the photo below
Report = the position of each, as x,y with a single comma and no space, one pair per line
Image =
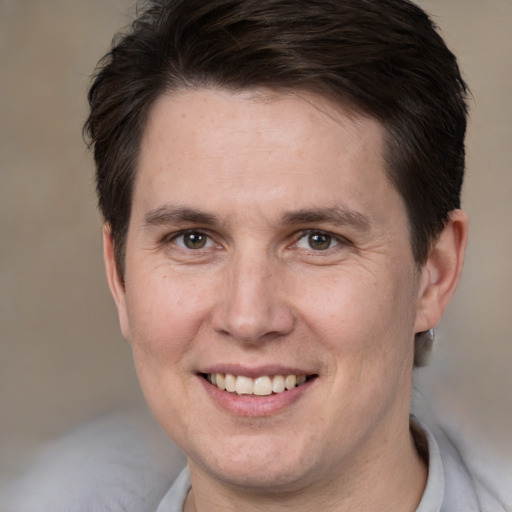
256,406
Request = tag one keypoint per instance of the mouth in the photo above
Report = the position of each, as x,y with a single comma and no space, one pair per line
263,385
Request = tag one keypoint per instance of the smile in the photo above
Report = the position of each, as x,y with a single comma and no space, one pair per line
264,385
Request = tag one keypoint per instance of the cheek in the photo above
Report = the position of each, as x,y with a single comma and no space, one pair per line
361,314
165,313
365,324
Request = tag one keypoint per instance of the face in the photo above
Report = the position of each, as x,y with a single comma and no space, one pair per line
267,250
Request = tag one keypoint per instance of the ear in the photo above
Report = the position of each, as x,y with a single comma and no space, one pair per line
441,272
115,282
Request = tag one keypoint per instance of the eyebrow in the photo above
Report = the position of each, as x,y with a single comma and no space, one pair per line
338,215
178,215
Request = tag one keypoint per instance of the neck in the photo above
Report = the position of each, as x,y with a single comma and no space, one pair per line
392,478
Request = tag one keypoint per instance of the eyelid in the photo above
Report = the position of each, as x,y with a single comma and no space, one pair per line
338,239
172,237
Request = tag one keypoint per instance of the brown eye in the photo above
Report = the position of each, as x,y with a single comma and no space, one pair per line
193,240
319,241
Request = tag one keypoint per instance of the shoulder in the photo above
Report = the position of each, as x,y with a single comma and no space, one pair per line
473,481
120,462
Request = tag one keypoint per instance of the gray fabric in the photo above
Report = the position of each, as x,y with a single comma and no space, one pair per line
122,462
465,490
175,498
433,495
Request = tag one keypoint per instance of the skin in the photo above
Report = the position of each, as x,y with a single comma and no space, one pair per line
241,170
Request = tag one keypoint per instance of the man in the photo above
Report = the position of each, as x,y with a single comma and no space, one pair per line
280,182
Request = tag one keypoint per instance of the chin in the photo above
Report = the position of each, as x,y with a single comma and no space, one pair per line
262,464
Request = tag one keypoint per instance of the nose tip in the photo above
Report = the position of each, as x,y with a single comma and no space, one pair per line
252,305
250,326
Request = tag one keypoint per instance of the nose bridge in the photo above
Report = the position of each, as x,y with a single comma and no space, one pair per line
253,306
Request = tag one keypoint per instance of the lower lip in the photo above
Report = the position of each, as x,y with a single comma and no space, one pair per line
252,405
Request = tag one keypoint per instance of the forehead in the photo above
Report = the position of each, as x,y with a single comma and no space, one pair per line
228,150
253,113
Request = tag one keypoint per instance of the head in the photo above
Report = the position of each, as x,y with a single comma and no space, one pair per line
279,181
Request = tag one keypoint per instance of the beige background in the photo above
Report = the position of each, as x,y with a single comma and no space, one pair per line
62,359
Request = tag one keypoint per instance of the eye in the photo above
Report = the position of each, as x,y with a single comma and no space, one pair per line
193,240
317,241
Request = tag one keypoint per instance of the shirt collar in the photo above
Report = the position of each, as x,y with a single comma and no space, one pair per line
433,495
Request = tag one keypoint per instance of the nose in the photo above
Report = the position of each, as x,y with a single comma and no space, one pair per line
252,306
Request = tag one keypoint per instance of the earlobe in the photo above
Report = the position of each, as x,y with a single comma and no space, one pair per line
441,272
115,283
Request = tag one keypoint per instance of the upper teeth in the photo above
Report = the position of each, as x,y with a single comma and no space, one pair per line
262,386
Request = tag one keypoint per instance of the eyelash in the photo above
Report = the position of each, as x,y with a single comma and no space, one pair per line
209,242
181,234
333,238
